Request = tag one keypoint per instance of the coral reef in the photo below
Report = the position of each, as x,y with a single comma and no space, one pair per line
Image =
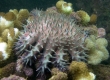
101,9
79,71
51,45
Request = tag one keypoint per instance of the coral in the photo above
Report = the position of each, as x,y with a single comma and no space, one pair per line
7,70
93,18
19,65
64,7
93,30
52,10
23,70
8,37
75,15
3,51
101,32
97,49
50,39
58,75
13,77
28,71
85,18
79,71
2,13
10,16
15,11
7,21
4,24
9,31
21,17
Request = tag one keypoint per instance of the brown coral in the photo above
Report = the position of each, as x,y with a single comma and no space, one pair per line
23,15
93,18
7,70
1,56
58,75
85,18
64,7
10,16
79,70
